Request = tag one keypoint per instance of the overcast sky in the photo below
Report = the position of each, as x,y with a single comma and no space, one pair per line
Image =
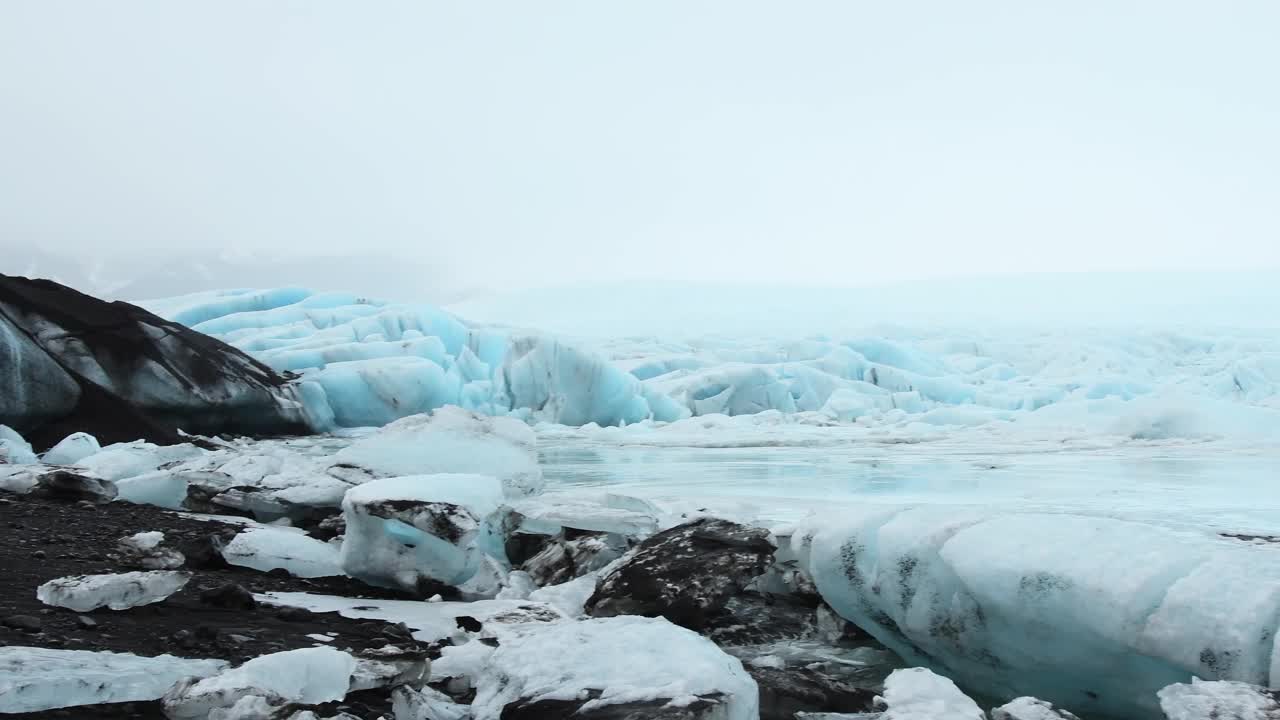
539,143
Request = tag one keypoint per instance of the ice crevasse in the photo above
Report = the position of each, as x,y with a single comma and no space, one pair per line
1091,613
365,362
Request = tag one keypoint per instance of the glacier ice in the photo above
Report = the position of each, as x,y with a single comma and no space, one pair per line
1090,613
117,591
608,662
369,362
309,676
403,530
34,679
268,548
452,440
71,450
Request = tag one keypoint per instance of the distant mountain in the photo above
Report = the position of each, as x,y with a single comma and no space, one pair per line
136,275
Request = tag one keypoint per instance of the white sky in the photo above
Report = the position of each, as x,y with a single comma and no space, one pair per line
541,143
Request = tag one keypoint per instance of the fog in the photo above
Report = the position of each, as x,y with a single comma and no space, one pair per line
456,149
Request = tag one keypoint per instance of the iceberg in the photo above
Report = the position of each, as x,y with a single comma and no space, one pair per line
1091,613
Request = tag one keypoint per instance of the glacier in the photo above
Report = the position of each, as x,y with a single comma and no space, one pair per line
366,362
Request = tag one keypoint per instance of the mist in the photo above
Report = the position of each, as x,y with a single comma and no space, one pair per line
472,149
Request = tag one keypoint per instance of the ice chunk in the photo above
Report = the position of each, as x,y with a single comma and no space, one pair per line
163,488
562,560
126,460
917,694
35,679
147,551
1221,700
426,704
599,514
610,662
452,440
120,591
309,676
20,478
1093,614
519,585
430,621
1027,708
14,449
72,449
570,597
269,548
433,527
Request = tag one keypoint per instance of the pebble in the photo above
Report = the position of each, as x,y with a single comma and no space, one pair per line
39,554
28,623
86,622
229,595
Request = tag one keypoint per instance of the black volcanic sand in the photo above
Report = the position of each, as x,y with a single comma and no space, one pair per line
44,539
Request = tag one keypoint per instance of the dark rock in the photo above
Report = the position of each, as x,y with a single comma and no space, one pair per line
835,630
74,363
567,559
293,614
38,555
686,574
469,624
328,528
26,623
86,622
66,486
229,595
205,552
754,618
702,708
785,692
521,546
